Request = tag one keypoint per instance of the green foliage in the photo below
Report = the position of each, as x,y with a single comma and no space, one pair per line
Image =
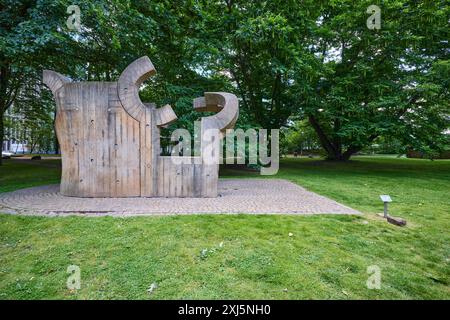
326,258
313,60
380,83
320,61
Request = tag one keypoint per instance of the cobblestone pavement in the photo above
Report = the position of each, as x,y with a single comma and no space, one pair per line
235,196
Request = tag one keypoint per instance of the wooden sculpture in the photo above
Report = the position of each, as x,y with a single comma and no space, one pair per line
110,140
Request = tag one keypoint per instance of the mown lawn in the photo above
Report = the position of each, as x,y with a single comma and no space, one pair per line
326,258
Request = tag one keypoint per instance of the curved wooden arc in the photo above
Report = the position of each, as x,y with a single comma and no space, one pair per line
128,86
227,106
165,116
54,80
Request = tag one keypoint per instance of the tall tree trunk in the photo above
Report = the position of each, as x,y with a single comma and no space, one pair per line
350,151
334,152
56,145
333,148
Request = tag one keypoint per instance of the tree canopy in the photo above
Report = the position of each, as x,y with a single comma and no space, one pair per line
286,60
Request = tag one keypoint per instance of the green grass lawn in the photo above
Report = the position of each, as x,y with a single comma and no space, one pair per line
326,258
17,174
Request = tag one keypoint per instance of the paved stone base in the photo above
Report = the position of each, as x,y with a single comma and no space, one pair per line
235,196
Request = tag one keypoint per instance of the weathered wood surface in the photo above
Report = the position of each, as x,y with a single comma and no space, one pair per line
110,139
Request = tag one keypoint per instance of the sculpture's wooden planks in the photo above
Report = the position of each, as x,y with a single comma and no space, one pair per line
110,139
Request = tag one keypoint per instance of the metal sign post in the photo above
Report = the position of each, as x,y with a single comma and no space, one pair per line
386,199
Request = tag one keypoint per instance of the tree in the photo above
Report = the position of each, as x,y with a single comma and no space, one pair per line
34,36
28,30
112,34
320,61
313,59
258,46
35,106
379,82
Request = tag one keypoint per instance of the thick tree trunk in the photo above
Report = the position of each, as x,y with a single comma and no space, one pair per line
350,151
333,148
342,156
324,141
